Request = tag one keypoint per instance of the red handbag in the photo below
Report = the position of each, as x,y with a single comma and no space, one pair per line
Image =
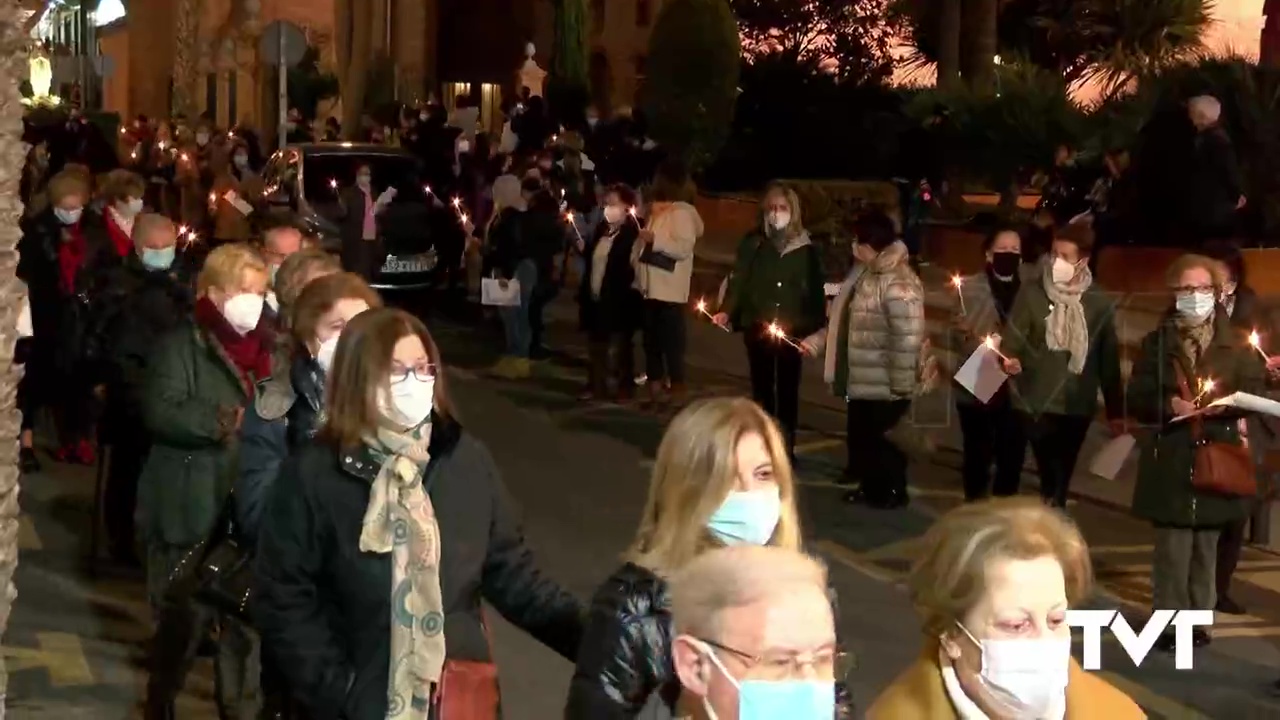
468,689
1220,468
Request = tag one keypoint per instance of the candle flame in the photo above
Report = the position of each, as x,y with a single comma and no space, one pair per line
464,218
631,211
957,280
457,201
702,306
427,189
1206,385
333,182
990,342
1254,339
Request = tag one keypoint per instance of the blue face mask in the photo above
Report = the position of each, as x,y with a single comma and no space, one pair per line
747,517
771,699
68,217
160,259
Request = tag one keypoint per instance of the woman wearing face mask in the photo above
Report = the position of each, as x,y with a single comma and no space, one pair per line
1060,345
338,594
777,279
1194,343
360,206
236,187
608,304
992,587
993,432
508,258
121,193
65,259
721,477
287,409
199,379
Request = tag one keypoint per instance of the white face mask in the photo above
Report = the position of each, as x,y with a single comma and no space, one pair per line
614,214
241,161
243,311
1025,679
325,352
779,220
1063,271
1195,305
410,403
464,146
363,181
130,208
202,138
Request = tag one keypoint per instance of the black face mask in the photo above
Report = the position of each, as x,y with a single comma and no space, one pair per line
1005,264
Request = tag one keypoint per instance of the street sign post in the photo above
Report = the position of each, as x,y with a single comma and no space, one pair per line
282,45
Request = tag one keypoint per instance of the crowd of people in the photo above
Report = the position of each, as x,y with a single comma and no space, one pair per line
254,390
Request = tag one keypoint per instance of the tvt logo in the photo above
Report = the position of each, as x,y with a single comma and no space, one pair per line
1140,644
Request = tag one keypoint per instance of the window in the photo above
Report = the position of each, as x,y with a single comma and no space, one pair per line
644,13
597,16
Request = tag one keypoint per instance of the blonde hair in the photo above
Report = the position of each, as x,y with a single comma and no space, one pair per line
226,266
696,468
796,226
949,577
738,576
120,184
1217,271
70,181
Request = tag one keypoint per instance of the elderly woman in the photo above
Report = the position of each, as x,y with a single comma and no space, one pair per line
992,587
1060,344
776,281
1192,357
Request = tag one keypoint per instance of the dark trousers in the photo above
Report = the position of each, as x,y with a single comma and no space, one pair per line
1055,442
664,341
1230,545
775,379
875,461
993,434
612,355
543,293
120,497
74,408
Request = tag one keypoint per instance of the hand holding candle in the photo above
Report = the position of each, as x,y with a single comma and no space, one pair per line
992,343
1206,387
778,334
1256,341
702,308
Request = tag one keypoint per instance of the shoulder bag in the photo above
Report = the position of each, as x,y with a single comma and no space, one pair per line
468,689
1221,468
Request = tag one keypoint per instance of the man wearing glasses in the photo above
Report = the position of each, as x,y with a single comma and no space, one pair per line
755,636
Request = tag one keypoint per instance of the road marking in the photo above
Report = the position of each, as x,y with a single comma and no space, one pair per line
60,654
1120,549
1150,700
28,538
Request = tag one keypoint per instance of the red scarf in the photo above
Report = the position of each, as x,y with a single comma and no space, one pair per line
71,253
250,354
119,238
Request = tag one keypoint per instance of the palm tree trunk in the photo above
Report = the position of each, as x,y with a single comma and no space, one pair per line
949,43
353,77
13,53
980,32
184,60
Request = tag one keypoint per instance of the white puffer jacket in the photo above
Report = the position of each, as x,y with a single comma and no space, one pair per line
886,326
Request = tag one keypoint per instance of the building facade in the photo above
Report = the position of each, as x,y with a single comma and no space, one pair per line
619,39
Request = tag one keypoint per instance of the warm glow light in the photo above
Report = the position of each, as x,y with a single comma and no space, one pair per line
41,76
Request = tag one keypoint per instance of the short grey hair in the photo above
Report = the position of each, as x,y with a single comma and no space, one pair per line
737,576
1205,107
147,224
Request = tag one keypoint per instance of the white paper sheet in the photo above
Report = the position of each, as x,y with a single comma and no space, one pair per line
831,289
1111,458
1245,402
492,292
981,374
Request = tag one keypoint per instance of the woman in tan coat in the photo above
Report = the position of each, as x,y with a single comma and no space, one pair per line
992,587
235,188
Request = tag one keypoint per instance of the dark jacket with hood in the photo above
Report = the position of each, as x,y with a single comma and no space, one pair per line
323,606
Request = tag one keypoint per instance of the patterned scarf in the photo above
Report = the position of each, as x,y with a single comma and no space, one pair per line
1194,334
401,520
1066,327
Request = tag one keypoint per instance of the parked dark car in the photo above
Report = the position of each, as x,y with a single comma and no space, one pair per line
307,179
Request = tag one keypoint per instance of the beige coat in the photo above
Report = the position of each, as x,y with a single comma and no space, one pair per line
676,228
886,328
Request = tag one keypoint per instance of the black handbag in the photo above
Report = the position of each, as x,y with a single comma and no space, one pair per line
218,572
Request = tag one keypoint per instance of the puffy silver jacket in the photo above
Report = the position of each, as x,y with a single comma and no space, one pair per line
885,303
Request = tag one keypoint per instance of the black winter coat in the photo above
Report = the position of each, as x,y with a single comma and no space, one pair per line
323,606
62,321
136,308
618,307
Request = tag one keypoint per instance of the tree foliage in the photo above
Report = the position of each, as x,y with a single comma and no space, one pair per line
570,85
851,39
309,84
692,86
1110,41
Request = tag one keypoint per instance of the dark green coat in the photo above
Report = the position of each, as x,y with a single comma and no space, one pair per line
1163,494
190,468
770,286
1045,385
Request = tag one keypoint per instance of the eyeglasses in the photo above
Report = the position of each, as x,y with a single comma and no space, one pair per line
422,373
1194,289
782,665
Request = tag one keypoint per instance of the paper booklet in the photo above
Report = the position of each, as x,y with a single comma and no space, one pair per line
982,374
1245,402
1111,458
493,293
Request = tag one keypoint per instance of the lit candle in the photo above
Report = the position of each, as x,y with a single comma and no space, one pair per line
958,282
1256,341
457,205
462,220
1206,387
333,183
568,217
990,343
427,190
778,334
702,308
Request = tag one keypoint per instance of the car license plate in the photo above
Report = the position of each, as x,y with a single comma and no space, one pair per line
425,262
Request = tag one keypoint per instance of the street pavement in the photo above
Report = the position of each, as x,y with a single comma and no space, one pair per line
579,472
